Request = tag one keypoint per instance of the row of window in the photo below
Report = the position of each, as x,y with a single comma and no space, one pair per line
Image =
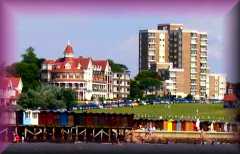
118,89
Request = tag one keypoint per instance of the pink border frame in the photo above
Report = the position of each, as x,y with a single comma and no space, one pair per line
9,8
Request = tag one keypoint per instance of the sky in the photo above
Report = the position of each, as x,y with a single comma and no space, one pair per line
108,36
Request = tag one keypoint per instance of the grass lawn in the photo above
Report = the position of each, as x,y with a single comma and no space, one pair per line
176,111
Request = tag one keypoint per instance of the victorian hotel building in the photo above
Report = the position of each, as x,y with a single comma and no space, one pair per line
180,57
90,79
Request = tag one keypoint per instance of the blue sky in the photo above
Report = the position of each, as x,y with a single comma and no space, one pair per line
106,36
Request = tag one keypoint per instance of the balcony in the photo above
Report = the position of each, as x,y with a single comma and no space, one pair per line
194,36
203,84
203,49
151,42
193,53
193,77
203,43
203,67
172,75
193,83
193,60
193,72
204,38
151,48
193,65
193,42
203,55
204,61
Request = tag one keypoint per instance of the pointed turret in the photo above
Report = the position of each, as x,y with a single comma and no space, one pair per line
68,52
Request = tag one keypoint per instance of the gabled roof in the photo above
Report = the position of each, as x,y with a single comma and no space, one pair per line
49,61
84,62
102,63
15,81
75,62
59,64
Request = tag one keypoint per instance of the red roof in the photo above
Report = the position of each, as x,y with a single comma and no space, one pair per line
49,61
68,49
230,98
5,81
59,64
84,62
102,63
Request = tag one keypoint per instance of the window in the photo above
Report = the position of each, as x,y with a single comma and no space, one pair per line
151,57
68,66
70,75
35,115
27,114
78,66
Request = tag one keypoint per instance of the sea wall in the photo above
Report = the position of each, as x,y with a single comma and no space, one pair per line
140,136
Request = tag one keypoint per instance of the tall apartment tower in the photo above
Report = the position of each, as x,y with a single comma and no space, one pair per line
185,49
153,49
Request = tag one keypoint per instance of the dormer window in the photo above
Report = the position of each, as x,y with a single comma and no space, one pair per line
67,66
78,66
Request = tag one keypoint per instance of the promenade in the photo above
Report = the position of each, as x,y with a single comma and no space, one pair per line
95,148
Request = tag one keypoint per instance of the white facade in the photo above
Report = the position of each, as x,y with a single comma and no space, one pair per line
121,84
90,79
10,89
203,64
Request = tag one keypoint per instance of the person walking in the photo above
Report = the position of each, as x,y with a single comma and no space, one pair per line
22,139
17,138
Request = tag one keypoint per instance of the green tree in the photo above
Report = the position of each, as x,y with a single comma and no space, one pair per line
47,97
68,97
115,67
135,90
28,69
150,85
145,82
189,96
147,74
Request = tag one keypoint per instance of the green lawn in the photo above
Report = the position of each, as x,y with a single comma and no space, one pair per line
176,111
